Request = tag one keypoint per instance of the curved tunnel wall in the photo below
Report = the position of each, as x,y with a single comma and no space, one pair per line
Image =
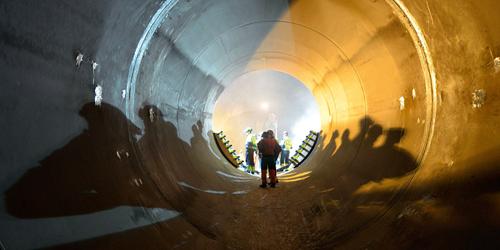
358,59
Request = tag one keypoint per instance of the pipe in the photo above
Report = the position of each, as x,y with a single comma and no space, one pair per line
108,106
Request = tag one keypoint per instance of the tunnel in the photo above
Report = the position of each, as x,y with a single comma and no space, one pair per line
108,118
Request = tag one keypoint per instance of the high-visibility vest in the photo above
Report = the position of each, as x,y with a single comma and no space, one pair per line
287,143
251,141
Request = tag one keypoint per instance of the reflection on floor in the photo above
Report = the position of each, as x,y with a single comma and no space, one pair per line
83,227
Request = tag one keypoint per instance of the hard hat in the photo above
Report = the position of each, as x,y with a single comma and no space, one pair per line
248,130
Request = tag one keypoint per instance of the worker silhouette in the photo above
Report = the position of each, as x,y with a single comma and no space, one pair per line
160,152
203,160
96,170
366,168
105,167
387,161
357,161
269,150
401,162
175,167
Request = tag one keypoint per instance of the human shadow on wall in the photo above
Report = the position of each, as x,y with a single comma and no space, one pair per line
96,170
334,212
452,208
105,167
185,175
161,151
167,157
357,161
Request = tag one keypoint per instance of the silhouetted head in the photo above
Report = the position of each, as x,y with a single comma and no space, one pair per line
152,118
366,122
374,133
150,114
197,128
345,135
394,136
248,130
265,134
93,113
270,133
335,134
106,116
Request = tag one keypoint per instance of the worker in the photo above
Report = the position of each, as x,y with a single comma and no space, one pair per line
251,147
269,150
286,146
271,135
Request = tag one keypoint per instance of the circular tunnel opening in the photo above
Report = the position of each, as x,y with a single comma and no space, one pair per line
266,100
360,68
365,71
108,107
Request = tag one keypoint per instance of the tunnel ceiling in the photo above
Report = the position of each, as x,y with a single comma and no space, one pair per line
343,60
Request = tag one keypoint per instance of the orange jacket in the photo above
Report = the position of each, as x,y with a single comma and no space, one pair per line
269,147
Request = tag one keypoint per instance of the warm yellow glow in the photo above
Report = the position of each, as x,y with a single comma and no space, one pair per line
357,59
310,45
294,176
295,180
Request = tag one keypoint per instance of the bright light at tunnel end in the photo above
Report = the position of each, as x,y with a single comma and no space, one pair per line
264,106
264,100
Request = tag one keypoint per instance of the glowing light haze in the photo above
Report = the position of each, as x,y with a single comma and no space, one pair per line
266,100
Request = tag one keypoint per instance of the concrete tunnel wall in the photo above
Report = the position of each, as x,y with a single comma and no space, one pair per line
123,170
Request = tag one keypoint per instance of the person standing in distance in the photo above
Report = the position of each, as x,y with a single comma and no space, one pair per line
250,148
269,150
286,146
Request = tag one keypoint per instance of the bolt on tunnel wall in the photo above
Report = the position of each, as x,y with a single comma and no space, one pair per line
107,108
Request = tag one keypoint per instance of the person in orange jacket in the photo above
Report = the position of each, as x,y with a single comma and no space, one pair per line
269,149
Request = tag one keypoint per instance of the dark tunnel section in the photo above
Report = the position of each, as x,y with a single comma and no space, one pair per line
107,124
89,174
114,154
